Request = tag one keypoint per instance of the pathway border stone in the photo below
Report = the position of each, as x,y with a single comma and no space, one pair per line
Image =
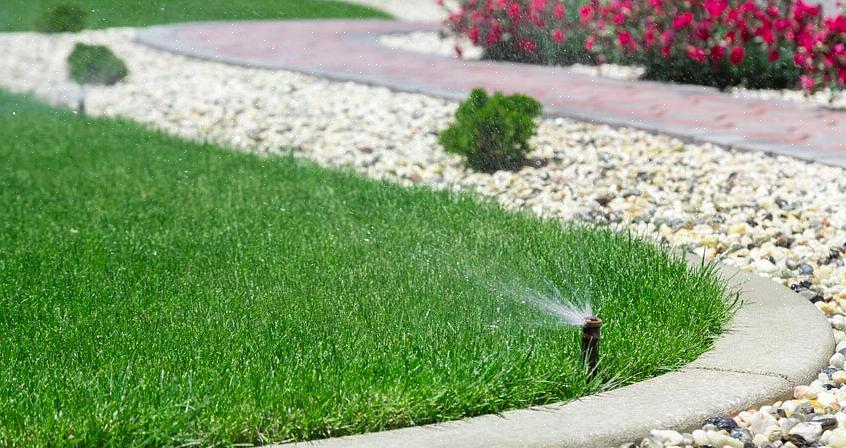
776,342
348,50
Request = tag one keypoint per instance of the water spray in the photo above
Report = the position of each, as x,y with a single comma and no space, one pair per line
590,343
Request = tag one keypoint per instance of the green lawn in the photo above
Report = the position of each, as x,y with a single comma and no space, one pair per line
156,292
18,15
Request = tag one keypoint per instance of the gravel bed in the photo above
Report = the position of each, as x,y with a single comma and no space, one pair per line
776,216
445,45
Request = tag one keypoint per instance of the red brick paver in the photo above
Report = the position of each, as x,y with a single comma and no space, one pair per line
349,50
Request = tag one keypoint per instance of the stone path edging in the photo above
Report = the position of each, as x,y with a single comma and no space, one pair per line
775,343
349,50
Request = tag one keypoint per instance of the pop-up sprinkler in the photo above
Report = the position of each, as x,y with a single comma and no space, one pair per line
590,343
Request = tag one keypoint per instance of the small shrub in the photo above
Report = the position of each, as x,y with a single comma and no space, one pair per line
95,64
492,132
61,18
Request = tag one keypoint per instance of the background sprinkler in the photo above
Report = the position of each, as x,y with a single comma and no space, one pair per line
590,343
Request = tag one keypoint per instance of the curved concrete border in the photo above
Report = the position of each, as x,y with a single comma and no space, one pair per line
776,341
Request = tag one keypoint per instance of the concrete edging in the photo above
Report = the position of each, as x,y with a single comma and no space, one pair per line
776,341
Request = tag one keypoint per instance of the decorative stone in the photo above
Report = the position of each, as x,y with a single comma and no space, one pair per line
723,423
805,433
837,439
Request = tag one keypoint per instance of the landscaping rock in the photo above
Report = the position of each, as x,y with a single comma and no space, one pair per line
805,433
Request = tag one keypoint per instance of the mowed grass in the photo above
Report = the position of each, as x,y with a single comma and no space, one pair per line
19,15
156,292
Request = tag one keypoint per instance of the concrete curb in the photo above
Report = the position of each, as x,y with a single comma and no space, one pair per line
776,341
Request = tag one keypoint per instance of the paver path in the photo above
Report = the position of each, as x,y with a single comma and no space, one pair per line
349,50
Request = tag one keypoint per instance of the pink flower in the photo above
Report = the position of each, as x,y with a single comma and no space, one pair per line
737,55
527,45
716,8
557,36
559,11
514,12
697,54
807,82
683,20
473,33
586,13
624,38
494,34
538,5
718,52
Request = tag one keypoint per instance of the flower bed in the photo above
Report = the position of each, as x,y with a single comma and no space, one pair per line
722,43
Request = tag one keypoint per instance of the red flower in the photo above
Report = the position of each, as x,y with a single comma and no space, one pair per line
527,45
624,38
514,12
697,54
559,11
538,5
683,20
494,34
807,82
716,8
473,33
718,52
586,13
774,55
558,36
737,55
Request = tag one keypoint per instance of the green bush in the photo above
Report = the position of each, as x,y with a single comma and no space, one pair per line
492,132
61,18
95,64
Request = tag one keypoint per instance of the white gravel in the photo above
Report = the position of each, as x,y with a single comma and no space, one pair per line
782,218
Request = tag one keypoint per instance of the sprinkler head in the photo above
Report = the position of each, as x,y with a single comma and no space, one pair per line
590,343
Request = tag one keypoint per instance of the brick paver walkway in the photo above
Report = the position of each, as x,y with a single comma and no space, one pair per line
348,50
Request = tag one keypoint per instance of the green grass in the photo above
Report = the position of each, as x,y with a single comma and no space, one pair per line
19,15
160,292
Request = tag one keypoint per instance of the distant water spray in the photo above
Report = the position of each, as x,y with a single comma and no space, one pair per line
571,309
565,311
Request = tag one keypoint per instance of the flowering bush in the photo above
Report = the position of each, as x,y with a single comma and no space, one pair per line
756,43
711,42
820,47
533,31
